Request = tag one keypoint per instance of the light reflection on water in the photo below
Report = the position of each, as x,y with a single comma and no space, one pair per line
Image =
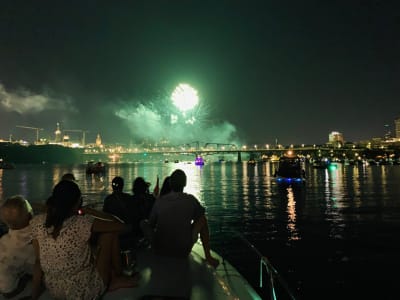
334,206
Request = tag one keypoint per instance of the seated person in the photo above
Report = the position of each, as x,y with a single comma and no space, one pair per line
166,187
16,252
64,260
143,202
142,197
120,205
177,218
68,176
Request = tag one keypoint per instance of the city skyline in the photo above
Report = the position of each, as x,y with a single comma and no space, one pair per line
262,71
84,137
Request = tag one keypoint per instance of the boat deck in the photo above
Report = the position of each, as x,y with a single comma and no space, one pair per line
173,278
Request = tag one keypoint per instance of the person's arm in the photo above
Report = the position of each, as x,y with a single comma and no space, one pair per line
107,225
37,272
97,214
201,226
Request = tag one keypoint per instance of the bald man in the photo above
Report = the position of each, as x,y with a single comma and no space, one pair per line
16,251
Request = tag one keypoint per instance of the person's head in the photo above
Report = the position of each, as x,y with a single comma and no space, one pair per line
117,183
16,212
178,180
140,186
166,186
68,176
63,203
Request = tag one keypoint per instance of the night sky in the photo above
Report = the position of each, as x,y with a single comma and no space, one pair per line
264,70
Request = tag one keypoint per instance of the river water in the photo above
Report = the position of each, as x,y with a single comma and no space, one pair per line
335,237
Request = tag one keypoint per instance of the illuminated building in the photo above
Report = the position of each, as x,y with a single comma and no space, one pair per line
397,127
58,134
336,139
98,140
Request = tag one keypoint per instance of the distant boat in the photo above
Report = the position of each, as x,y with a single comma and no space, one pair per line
274,158
6,165
199,161
95,168
251,162
290,170
321,163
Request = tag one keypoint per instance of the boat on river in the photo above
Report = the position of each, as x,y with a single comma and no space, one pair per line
199,161
321,163
6,165
290,169
95,168
177,278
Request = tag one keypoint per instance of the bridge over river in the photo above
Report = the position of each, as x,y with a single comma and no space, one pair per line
228,150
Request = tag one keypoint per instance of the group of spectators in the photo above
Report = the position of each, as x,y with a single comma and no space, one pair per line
73,251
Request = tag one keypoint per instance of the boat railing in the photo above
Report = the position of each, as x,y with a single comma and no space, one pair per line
272,274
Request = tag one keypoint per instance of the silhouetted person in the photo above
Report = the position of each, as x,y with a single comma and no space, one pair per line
166,186
64,255
177,218
120,204
142,197
68,176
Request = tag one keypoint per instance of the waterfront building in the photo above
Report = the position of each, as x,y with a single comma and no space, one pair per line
98,140
336,139
58,134
397,128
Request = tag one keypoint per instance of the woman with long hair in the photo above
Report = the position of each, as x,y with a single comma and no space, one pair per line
65,260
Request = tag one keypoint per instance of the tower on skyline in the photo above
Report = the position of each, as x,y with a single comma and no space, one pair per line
336,139
397,127
58,134
98,140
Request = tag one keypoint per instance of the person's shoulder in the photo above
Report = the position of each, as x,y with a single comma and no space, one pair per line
109,197
86,218
126,195
177,196
38,219
188,196
37,223
150,197
170,196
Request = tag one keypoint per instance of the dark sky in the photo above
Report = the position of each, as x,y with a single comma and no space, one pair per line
287,70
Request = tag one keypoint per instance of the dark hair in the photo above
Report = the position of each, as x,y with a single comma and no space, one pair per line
68,176
166,186
117,183
60,204
140,186
178,180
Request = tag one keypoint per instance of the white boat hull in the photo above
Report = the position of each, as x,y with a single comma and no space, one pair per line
181,278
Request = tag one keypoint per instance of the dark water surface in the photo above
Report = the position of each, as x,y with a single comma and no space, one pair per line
336,237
